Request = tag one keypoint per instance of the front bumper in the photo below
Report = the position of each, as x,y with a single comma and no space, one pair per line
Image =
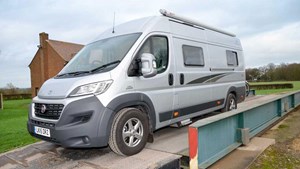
83,123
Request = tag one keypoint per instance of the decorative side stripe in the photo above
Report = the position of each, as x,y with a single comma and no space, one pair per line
205,78
215,79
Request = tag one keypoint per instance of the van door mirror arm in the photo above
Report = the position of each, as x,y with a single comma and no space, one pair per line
138,62
135,68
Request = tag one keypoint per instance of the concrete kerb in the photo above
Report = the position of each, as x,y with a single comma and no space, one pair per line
267,142
22,148
244,156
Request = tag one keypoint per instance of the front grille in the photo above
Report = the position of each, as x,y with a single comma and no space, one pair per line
48,111
43,124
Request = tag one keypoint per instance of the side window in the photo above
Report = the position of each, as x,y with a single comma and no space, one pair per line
193,56
157,46
232,59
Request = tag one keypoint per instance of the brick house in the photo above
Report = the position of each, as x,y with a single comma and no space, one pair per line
49,59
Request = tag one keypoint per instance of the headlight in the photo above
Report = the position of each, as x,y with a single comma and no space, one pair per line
92,88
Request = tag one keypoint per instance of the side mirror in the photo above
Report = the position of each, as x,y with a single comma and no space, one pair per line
148,65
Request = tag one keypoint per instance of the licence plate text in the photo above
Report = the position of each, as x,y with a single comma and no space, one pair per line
42,131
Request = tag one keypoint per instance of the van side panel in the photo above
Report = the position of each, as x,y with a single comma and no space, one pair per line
187,32
205,87
193,91
230,76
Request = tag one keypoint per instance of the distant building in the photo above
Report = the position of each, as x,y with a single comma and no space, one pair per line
49,59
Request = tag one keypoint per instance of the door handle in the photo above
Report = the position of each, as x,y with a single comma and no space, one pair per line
181,78
171,79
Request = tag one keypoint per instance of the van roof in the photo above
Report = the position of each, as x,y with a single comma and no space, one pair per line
170,25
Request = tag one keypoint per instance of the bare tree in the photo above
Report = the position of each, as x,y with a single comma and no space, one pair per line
252,74
11,89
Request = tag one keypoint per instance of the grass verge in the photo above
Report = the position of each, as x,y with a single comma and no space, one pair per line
13,127
285,153
276,158
296,85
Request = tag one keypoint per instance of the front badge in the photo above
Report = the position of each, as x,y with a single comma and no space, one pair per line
43,109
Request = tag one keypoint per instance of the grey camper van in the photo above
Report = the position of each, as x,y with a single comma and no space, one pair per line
147,74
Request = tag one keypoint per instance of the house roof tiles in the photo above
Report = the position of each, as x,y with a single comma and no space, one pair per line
65,49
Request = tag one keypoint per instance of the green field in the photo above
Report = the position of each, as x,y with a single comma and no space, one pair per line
274,91
13,129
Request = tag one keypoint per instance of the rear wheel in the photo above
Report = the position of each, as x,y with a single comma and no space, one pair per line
231,103
129,132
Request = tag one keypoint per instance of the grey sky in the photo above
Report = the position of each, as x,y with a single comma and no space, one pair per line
269,30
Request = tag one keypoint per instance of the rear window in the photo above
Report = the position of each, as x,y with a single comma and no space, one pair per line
193,56
232,59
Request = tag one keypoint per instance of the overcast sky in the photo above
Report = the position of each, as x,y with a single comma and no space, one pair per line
269,30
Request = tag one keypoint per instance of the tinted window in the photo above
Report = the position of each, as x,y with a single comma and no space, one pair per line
232,59
157,46
193,56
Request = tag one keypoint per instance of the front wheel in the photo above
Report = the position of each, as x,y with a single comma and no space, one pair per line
129,132
231,103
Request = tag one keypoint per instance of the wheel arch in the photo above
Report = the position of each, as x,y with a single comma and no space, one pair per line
137,100
232,90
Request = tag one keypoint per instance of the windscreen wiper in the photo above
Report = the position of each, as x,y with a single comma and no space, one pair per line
91,71
73,73
104,66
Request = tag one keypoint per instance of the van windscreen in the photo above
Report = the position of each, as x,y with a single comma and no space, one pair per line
100,55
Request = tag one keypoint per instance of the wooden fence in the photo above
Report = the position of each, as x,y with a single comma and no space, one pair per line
1,101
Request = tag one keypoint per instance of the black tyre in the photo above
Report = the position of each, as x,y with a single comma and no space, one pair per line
129,132
230,103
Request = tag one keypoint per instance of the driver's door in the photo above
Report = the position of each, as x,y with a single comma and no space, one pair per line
158,88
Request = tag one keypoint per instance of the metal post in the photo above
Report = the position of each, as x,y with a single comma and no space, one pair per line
293,100
193,147
279,108
1,101
245,133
